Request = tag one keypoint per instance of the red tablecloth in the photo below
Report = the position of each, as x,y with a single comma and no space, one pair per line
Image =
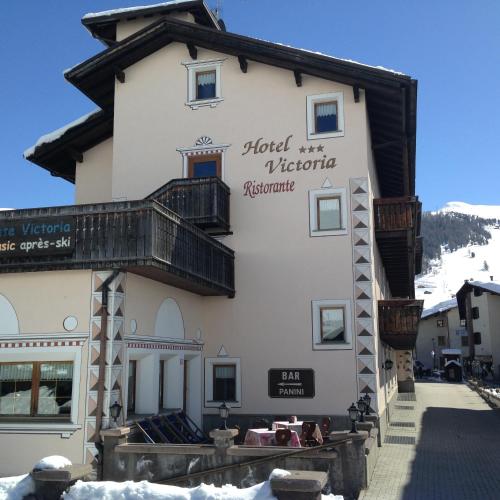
265,437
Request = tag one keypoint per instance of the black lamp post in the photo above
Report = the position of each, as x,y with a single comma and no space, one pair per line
353,415
368,401
362,409
223,414
115,409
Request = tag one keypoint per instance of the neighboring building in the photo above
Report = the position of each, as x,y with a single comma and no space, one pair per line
480,301
245,229
440,328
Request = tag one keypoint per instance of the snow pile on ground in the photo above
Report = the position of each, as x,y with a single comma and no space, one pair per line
448,276
16,487
52,462
128,490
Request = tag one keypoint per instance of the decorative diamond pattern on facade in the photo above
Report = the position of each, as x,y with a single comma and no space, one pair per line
363,288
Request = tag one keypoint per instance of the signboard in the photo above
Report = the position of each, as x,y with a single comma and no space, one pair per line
291,383
37,236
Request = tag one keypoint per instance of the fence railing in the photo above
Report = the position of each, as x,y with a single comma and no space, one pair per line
128,235
202,201
396,214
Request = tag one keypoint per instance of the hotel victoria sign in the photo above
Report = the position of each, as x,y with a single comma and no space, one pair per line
291,383
40,236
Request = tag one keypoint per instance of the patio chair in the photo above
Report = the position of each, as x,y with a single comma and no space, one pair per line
307,438
326,422
282,437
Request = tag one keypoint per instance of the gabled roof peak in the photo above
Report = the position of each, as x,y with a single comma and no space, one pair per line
102,25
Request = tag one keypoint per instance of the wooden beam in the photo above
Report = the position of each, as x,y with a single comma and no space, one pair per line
387,144
76,155
243,64
193,51
355,91
298,78
120,75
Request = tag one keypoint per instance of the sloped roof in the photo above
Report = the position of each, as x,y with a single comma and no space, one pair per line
391,97
102,25
439,308
469,286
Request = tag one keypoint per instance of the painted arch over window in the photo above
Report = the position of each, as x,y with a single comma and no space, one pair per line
9,324
169,322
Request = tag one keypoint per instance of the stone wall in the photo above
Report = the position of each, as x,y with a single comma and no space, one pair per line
348,460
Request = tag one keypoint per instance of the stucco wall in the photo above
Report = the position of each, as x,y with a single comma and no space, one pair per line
43,300
93,175
494,322
268,324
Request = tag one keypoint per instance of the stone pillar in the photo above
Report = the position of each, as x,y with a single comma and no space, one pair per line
112,438
50,484
299,485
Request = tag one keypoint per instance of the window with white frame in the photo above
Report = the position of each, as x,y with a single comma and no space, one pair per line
204,83
36,389
222,381
325,115
327,212
331,324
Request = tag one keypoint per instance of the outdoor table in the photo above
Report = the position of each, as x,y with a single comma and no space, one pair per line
265,437
297,427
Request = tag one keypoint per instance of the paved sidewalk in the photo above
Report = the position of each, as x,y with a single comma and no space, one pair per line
445,445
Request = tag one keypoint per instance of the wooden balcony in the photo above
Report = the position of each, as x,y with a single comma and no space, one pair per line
419,253
203,201
398,322
397,225
142,237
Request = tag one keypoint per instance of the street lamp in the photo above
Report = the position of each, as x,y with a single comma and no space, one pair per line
362,409
353,415
223,414
388,364
115,409
368,401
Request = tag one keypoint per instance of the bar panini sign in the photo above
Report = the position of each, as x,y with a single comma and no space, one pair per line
291,383
37,236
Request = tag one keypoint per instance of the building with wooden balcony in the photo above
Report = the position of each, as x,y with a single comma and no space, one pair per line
245,213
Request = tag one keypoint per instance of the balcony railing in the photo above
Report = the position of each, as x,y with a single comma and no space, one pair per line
397,225
140,236
396,214
202,201
398,322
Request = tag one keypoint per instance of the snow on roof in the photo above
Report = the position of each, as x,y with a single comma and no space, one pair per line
352,61
56,134
451,352
490,286
452,362
113,12
439,308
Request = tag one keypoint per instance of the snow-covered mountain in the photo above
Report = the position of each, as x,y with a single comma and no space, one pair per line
448,275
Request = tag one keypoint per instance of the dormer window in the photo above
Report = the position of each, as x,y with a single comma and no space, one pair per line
204,83
325,115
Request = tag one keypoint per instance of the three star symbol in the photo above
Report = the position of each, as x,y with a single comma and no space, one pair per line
311,149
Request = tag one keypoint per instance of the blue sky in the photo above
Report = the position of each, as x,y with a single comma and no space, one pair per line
451,47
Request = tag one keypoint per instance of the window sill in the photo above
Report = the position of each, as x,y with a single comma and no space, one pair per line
66,430
324,346
336,232
205,102
325,135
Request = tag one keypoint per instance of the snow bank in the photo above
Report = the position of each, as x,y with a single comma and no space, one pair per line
128,490
52,462
56,134
16,487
